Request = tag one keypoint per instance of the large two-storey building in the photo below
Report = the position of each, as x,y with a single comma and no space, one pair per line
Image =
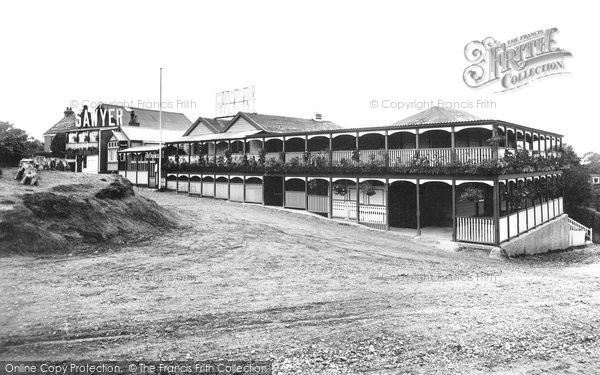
486,181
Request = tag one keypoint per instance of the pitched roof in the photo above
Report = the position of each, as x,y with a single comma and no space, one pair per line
147,118
436,115
284,124
215,125
65,124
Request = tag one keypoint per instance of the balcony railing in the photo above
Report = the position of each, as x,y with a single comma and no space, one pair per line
78,145
393,157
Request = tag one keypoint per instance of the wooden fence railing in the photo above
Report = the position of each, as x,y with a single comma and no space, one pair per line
475,229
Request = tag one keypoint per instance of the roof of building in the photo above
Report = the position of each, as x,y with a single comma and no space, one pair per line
147,119
215,125
284,124
65,124
218,136
437,115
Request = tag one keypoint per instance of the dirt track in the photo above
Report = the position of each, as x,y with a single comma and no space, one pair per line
244,281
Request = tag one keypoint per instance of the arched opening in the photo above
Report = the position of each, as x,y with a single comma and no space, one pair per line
371,141
182,183
237,146
472,137
435,139
273,190
295,144
318,196
512,139
222,146
344,199
402,204
222,187
236,189
294,150
318,143
171,182
474,200
195,184
295,193
501,137
520,138
274,145
436,204
254,190
343,142
208,186
402,140
253,146
342,148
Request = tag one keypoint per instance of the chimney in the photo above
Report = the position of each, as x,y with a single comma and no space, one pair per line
134,119
69,111
317,116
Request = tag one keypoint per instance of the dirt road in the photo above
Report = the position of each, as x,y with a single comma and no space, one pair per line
244,281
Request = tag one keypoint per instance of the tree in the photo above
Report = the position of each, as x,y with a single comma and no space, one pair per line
59,145
15,144
575,180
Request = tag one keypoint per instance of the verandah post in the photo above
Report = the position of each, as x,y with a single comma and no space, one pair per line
453,144
137,166
330,213
496,213
283,190
387,199
453,209
244,192
228,187
306,193
357,198
418,208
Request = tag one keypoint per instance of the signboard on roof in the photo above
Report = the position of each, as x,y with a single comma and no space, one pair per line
233,101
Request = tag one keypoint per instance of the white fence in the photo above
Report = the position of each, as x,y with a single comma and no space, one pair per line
318,203
195,187
182,185
475,229
236,191
254,193
222,190
171,184
295,199
372,214
517,223
208,188
344,209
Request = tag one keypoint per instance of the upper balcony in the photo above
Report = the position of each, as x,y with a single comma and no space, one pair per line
474,146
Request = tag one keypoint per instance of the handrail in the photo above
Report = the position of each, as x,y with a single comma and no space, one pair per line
574,225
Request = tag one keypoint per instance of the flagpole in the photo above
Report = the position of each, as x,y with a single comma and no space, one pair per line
160,134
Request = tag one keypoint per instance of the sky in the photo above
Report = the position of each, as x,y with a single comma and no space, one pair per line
347,60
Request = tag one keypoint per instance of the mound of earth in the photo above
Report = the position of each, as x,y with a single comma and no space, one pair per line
72,217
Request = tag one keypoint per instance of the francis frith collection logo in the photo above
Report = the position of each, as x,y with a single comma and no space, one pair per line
515,63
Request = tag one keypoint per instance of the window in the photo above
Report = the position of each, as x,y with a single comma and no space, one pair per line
596,180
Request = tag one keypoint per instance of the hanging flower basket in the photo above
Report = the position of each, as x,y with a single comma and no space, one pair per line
340,189
471,194
367,188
